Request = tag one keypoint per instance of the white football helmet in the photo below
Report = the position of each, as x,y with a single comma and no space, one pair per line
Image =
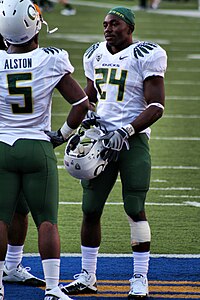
20,20
85,162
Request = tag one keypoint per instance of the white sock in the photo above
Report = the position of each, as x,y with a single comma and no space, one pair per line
1,272
89,259
141,263
13,256
51,268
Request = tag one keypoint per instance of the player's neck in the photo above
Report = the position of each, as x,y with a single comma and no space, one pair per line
116,49
24,49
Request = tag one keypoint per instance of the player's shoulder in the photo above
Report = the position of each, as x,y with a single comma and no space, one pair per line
52,50
92,50
143,49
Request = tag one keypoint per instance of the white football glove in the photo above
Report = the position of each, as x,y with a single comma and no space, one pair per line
56,138
91,119
114,142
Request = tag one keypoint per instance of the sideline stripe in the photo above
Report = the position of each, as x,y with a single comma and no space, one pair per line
95,4
168,278
187,256
158,289
175,12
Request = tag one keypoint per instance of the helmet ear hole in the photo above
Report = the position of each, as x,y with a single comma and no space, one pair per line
85,161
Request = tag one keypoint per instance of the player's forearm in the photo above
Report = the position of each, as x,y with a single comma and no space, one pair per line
147,118
77,114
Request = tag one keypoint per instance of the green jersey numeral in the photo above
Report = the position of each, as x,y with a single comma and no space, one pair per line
109,77
26,92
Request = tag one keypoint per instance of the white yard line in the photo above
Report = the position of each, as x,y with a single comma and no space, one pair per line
175,138
62,167
177,167
174,116
174,12
174,97
186,203
183,82
183,98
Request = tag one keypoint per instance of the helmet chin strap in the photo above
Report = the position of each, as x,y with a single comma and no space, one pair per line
49,31
43,21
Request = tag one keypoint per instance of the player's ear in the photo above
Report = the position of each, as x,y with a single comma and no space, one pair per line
131,29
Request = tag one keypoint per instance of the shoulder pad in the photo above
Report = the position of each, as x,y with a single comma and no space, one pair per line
91,49
143,48
51,50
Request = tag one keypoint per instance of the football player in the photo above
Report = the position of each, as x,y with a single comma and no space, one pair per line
28,76
126,80
68,9
14,272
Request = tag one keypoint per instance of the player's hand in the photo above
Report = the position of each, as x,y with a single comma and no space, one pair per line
91,119
113,143
109,155
56,138
115,140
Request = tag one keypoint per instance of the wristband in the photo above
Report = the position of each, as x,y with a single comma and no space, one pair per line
93,104
66,131
129,129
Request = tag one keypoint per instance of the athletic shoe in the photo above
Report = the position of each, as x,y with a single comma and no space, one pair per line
68,12
2,293
21,275
56,294
84,283
139,287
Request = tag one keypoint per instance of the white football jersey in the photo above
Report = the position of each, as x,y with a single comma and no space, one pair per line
27,81
119,79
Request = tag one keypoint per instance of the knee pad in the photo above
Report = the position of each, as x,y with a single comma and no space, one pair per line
140,232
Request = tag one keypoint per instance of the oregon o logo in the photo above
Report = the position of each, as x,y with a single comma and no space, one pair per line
32,12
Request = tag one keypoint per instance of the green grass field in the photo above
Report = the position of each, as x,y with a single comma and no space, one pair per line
173,202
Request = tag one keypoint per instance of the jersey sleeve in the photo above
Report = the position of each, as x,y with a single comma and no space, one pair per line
88,61
152,59
63,63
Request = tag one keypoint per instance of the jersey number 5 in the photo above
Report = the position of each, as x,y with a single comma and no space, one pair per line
25,92
109,77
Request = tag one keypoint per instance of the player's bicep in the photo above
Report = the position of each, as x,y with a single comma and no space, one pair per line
154,90
70,89
90,90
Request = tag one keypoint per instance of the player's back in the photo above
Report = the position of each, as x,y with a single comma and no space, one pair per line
27,81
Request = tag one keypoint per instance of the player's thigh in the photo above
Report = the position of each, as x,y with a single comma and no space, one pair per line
40,185
22,206
135,172
96,191
9,184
